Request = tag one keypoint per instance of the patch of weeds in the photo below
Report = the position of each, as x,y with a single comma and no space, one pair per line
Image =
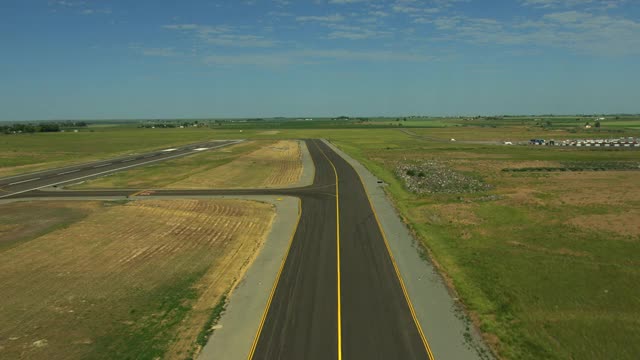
207,329
155,316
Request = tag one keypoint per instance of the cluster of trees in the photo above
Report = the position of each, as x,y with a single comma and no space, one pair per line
169,125
28,128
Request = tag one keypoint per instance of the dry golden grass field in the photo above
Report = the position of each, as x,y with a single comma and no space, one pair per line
273,165
257,163
110,280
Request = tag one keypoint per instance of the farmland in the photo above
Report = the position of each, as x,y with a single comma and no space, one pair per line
261,163
107,280
544,261
32,152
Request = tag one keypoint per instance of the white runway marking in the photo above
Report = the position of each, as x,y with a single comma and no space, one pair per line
69,172
109,171
103,165
23,181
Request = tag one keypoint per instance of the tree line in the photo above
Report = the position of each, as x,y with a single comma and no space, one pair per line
29,128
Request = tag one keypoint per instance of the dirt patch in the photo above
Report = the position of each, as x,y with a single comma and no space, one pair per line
522,196
588,188
625,224
25,220
471,155
275,165
127,281
270,132
462,214
530,164
561,251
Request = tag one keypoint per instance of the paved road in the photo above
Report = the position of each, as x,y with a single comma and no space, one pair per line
19,184
338,294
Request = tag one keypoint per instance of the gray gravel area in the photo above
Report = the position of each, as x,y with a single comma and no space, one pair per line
448,331
308,169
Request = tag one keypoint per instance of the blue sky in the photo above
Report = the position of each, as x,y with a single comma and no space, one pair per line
101,59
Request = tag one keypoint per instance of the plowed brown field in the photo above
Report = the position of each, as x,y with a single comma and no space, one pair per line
135,280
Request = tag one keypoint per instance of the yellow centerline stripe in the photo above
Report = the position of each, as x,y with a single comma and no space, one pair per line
337,252
275,284
397,271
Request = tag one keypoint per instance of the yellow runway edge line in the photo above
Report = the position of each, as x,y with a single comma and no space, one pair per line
337,252
395,266
275,284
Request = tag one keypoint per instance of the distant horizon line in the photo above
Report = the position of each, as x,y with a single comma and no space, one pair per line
319,117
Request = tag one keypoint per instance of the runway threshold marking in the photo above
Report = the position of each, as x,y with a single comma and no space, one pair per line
337,251
23,181
397,271
275,284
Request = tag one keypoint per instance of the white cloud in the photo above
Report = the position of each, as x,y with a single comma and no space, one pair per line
577,31
160,52
313,56
350,32
95,11
79,7
325,18
592,4
279,14
222,35
67,3
346,1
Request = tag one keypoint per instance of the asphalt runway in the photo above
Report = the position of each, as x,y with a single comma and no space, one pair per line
14,185
339,294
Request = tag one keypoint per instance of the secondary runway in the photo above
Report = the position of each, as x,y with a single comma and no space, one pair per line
19,184
339,294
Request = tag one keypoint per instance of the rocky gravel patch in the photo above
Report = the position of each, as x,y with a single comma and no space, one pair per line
437,177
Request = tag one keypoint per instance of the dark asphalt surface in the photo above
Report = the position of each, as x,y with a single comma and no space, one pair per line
27,182
302,319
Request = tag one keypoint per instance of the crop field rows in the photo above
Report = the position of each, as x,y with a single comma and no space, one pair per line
128,280
543,260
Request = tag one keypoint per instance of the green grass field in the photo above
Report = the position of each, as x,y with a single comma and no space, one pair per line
541,274
546,263
32,152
